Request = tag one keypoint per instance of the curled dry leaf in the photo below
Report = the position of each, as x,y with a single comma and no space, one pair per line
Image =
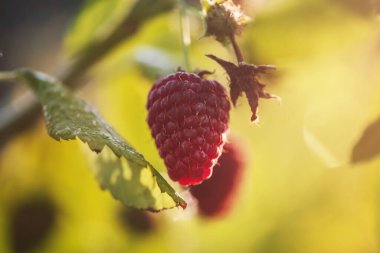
244,78
368,145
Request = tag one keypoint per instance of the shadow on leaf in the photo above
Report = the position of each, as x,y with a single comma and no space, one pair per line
131,183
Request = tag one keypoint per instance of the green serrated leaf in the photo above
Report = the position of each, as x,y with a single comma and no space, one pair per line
124,171
133,184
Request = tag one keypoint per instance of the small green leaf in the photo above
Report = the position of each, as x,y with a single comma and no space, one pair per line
119,168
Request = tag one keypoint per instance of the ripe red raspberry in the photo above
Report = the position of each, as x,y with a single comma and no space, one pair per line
215,195
188,117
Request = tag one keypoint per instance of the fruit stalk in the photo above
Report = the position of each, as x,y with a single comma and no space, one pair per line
186,39
239,55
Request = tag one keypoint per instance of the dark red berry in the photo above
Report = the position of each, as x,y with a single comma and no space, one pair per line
188,117
216,194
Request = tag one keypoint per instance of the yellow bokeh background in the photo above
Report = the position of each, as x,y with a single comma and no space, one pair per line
300,193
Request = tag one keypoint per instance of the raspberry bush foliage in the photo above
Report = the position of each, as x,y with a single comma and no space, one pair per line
119,168
188,114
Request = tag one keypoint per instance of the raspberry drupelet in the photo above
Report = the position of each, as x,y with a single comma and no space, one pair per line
188,117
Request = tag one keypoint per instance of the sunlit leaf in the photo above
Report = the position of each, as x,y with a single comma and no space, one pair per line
131,183
94,21
124,171
106,23
368,145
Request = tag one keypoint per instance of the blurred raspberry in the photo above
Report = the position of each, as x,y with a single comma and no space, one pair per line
188,117
216,194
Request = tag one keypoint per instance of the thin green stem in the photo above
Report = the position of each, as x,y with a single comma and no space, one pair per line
185,34
239,55
6,76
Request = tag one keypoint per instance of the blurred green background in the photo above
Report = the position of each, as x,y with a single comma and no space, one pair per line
300,192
